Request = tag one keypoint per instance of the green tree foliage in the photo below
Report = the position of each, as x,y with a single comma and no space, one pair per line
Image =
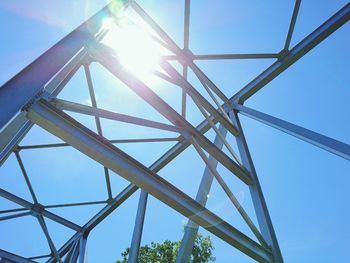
166,252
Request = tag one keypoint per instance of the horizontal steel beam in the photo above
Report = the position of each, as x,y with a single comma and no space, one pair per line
38,209
76,204
60,124
336,147
55,145
101,113
225,56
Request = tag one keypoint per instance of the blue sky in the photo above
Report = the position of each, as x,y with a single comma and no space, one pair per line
306,188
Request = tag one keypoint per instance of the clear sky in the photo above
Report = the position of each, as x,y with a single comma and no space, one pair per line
306,188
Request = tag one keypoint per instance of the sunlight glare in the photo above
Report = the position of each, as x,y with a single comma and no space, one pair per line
136,50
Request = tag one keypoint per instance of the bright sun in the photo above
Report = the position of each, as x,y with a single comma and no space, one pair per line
135,48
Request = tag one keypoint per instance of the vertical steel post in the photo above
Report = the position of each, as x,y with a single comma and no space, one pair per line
137,234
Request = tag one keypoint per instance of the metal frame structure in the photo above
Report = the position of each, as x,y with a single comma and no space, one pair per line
29,99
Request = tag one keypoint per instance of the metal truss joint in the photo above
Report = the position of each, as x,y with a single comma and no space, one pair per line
37,208
283,54
33,100
186,57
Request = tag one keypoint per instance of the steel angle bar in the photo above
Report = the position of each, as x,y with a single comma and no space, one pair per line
235,56
292,24
208,86
92,97
112,64
126,193
101,113
326,143
69,254
260,207
40,257
76,204
229,193
82,249
13,258
185,57
60,124
303,47
15,216
69,249
43,74
137,234
38,209
104,55
191,229
48,237
186,47
97,122
184,94
15,93
12,210
187,24
13,133
73,253
97,218
191,91
26,178
131,189
56,145
225,56
166,78
218,133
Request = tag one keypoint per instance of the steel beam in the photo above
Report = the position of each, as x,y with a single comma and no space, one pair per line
12,210
185,58
76,204
42,223
98,123
16,92
261,211
60,124
112,64
55,145
137,234
191,91
292,24
15,216
7,257
17,128
334,146
38,209
26,178
101,113
191,229
303,47
82,249
229,194
226,56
